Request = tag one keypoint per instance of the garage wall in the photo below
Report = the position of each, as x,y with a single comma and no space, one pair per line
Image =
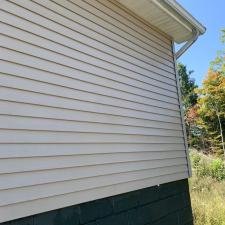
89,105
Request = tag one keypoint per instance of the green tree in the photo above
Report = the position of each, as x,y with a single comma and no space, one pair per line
218,65
187,86
189,99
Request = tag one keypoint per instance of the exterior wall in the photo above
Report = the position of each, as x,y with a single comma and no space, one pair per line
167,204
89,105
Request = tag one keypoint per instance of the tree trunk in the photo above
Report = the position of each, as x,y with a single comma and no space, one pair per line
203,142
189,135
221,133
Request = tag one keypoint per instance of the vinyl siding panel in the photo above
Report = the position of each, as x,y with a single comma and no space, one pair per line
89,105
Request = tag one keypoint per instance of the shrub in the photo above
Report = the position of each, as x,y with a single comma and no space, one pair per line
195,158
217,169
205,166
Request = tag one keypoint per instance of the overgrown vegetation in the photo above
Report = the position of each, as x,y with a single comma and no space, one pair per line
207,187
207,166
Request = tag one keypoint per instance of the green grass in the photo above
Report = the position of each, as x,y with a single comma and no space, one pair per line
207,188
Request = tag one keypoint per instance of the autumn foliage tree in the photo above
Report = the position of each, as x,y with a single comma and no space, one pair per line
211,110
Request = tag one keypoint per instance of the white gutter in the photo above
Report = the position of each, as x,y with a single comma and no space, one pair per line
190,23
186,15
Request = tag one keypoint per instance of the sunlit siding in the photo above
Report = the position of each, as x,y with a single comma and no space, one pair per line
88,105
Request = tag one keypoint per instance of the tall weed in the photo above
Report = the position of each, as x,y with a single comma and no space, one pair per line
208,200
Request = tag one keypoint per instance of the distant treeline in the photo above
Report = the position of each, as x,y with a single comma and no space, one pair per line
204,108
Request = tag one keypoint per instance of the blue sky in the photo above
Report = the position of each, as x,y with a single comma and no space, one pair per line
211,13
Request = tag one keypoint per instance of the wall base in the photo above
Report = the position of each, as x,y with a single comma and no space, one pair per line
167,204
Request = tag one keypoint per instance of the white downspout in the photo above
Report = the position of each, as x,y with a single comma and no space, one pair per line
188,44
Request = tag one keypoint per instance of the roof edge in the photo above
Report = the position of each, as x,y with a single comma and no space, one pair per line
168,16
184,14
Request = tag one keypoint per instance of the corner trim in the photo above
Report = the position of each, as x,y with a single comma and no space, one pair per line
181,111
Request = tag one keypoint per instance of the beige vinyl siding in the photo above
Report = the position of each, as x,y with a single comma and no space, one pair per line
89,105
